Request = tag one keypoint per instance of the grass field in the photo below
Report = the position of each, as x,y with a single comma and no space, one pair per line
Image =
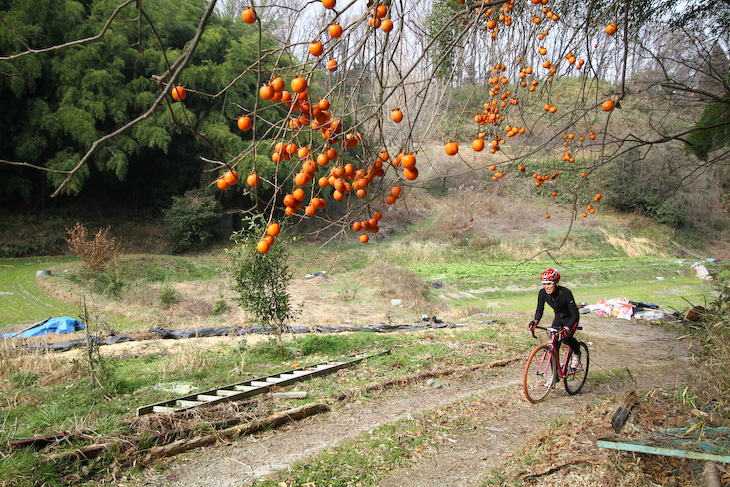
22,301
504,286
649,279
481,274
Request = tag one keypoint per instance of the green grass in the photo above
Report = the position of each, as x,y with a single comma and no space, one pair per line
21,300
494,278
362,461
672,285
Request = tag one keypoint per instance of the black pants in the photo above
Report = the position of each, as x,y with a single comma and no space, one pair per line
569,340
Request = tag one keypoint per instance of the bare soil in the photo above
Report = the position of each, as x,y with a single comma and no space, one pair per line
625,355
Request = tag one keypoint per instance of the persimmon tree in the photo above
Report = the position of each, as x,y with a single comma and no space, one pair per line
541,88
261,279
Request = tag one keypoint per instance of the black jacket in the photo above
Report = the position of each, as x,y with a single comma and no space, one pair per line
561,300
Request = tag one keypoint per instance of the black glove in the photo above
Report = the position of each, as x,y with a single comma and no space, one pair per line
532,325
564,333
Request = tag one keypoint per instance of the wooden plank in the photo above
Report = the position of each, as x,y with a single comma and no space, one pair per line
209,397
163,409
188,404
226,392
290,395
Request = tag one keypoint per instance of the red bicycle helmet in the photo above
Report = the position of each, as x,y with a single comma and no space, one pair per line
549,276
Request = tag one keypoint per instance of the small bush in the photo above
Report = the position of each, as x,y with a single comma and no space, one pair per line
262,280
168,297
96,253
116,283
220,306
191,221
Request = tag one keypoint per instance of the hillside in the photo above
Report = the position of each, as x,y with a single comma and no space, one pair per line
468,255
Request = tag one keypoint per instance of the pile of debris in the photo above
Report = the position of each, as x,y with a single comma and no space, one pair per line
626,309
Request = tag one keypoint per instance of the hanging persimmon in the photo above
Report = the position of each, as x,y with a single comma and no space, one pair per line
253,180
452,148
249,16
316,49
335,31
244,123
178,93
231,177
298,85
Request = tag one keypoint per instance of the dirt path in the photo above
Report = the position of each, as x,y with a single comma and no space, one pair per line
655,358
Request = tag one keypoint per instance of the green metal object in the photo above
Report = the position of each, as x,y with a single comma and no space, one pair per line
705,443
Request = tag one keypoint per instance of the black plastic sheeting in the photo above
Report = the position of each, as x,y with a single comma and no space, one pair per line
238,331
66,346
210,331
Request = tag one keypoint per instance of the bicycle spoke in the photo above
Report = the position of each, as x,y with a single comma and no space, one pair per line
540,374
575,378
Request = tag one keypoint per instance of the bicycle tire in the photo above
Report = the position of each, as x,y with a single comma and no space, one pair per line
540,376
574,379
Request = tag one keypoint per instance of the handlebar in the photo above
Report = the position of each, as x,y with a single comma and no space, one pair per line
550,329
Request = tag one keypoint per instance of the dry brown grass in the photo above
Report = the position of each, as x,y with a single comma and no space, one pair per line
398,282
47,368
712,385
631,246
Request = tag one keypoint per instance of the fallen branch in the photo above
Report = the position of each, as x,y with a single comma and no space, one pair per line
712,475
401,381
555,468
45,440
86,453
247,428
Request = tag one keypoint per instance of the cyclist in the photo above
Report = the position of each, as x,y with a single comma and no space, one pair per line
560,299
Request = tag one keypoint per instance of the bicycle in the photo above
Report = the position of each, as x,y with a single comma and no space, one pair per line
543,366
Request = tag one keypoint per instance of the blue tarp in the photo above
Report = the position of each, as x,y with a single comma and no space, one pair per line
64,324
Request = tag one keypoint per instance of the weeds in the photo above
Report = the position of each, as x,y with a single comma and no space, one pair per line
21,366
99,369
97,252
712,333
168,297
188,362
346,294
401,283
220,306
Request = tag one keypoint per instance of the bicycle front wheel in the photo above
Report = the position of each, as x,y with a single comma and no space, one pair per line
575,378
540,374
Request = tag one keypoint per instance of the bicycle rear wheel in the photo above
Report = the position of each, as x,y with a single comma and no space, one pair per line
575,378
540,374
